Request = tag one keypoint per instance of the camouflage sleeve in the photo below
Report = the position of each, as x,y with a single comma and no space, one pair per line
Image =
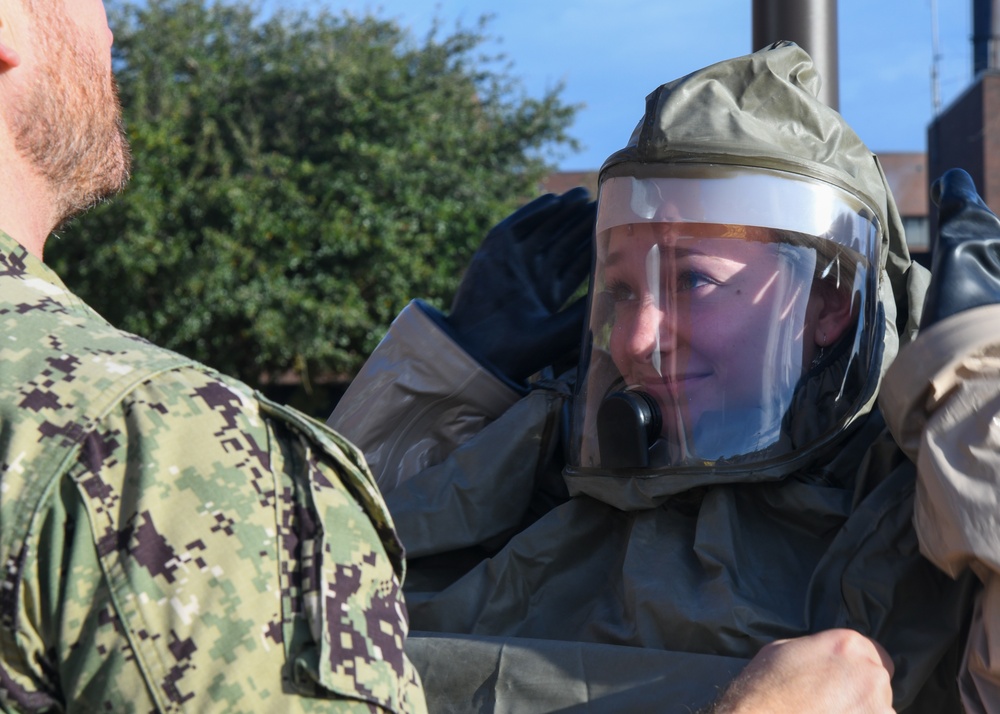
204,553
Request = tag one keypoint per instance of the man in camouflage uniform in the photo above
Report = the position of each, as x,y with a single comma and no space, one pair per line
170,540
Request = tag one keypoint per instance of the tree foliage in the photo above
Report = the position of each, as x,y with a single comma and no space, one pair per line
298,179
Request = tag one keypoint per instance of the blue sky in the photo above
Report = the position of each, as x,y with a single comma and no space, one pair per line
611,53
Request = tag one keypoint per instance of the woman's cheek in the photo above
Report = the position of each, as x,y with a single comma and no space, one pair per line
619,346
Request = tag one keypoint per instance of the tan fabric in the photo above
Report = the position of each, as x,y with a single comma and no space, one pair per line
942,402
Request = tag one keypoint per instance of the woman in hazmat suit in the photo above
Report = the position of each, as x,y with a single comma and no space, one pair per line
723,296
728,478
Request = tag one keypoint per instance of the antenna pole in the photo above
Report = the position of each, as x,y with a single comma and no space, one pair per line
935,61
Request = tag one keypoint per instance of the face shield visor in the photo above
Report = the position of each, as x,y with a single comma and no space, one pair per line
730,320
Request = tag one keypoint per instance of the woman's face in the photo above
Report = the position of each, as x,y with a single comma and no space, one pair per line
706,325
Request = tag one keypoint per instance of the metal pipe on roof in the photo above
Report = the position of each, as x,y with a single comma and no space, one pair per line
811,24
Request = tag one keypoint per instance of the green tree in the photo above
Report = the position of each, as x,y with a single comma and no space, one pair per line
297,179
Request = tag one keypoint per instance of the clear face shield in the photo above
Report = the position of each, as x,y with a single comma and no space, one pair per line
730,320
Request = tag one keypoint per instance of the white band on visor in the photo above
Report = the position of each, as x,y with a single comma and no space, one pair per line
739,196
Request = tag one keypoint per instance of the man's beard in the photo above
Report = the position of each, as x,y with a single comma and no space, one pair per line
70,126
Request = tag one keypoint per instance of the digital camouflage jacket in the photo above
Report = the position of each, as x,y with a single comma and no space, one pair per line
171,541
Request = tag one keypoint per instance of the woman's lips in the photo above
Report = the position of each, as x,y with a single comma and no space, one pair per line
674,385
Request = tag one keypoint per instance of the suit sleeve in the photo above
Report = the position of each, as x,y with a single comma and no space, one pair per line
417,398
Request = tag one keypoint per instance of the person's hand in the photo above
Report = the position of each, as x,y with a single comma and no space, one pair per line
508,308
965,269
831,672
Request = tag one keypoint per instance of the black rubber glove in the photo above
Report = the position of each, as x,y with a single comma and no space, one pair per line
508,308
965,268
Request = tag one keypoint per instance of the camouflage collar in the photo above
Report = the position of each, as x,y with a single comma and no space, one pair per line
16,261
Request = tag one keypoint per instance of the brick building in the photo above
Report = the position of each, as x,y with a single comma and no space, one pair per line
967,135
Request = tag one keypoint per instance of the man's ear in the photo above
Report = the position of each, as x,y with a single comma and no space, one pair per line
9,56
836,313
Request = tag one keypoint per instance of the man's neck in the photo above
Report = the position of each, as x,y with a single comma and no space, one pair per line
24,215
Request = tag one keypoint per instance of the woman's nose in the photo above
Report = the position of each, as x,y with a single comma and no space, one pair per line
651,333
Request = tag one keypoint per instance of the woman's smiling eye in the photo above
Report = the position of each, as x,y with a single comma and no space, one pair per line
692,279
619,291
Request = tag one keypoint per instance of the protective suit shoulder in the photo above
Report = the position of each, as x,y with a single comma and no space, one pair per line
490,486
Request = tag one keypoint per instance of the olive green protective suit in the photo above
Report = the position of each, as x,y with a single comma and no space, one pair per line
650,594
